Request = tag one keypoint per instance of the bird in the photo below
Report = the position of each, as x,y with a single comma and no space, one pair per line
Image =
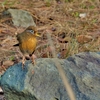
27,42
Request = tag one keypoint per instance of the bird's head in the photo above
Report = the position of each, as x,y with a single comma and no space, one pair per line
33,30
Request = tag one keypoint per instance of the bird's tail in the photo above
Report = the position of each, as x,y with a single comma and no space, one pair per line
16,44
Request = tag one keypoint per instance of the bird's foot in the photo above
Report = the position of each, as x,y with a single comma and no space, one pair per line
33,62
33,57
23,62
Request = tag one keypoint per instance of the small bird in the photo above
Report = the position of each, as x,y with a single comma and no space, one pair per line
27,43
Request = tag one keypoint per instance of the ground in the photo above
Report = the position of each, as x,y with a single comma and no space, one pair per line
73,25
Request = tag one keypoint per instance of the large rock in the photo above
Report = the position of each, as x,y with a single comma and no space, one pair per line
42,81
20,17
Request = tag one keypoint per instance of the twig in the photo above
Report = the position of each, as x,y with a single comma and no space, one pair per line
61,71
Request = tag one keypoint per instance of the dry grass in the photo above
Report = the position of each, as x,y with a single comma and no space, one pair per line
74,26
71,33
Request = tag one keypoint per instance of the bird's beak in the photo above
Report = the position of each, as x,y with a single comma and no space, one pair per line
37,34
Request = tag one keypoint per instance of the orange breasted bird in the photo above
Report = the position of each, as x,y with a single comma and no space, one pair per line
27,42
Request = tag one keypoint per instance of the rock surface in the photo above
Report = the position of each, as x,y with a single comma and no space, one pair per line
20,18
42,81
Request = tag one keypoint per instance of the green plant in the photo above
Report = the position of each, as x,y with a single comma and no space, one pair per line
7,2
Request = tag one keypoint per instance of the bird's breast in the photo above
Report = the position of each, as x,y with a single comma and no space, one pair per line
28,45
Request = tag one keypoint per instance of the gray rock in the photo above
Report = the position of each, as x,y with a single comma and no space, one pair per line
21,18
42,81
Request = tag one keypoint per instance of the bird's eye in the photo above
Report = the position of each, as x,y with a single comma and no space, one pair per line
31,31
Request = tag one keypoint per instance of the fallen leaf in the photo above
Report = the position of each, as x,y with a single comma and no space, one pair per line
94,34
84,38
7,63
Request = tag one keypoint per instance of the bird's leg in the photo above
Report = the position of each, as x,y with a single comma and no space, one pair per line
23,61
33,57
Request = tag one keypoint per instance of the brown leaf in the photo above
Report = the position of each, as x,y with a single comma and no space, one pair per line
7,63
84,38
94,34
